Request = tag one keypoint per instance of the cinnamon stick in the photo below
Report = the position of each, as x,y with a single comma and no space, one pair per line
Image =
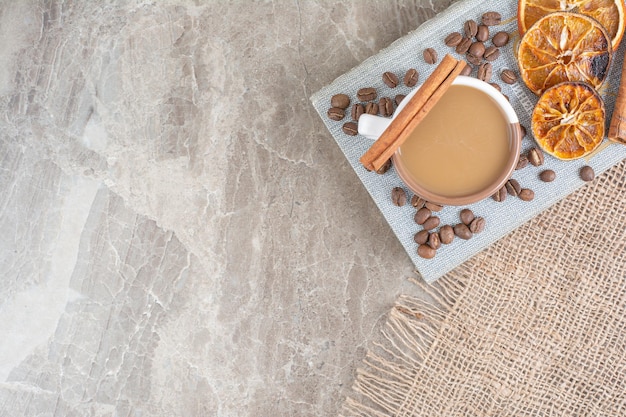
415,110
617,128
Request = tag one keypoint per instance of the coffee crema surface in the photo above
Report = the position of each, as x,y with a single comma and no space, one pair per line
461,146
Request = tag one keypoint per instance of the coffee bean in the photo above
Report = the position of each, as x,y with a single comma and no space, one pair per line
500,39
466,216
470,28
350,128
433,207
421,237
484,71
385,106
431,223
526,194
496,86
421,215
390,79
477,225
512,187
523,130
491,18
385,167
434,241
467,69
500,195
477,49
446,234
473,60
366,94
371,108
418,202
547,175
430,56
462,231
587,174
335,113
535,157
411,77
398,196
508,76
463,46
357,111
453,39
398,99
522,162
341,101
491,54
482,34
426,251
506,97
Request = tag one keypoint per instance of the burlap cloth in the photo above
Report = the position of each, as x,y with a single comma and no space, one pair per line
533,326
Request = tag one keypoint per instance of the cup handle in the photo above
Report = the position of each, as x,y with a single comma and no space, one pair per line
372,126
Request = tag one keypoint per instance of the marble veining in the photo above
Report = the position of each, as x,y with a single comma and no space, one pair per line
179,235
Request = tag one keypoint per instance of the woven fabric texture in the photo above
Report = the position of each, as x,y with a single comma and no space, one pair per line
533,326
501,218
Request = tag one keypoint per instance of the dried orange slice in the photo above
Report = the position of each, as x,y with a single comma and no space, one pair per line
610,13
561,47
568,120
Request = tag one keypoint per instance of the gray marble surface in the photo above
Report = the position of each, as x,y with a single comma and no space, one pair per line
179,234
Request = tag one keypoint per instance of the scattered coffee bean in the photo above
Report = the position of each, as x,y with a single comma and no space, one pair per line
463,46
482,34
522,162
453,39
390,79
466,216
385,106
385,167
433,207
341,101
418,202
500,195
512,187
467,69
506,97
421,237
411,77
371,108
477,49
398,99
491,18
446,234
431,223
426,251
366,94
500,39
523,130
526,194
470,28
547,175
496,86
477,225
508,76
335,113
462,231
430,56
535,157
421,215
587,173
473,60
491,54
350,128
484,71
357,111
398,196
434,241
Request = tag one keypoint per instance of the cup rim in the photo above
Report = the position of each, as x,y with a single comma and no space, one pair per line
515,135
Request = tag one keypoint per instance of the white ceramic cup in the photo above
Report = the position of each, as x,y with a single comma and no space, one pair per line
372,127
